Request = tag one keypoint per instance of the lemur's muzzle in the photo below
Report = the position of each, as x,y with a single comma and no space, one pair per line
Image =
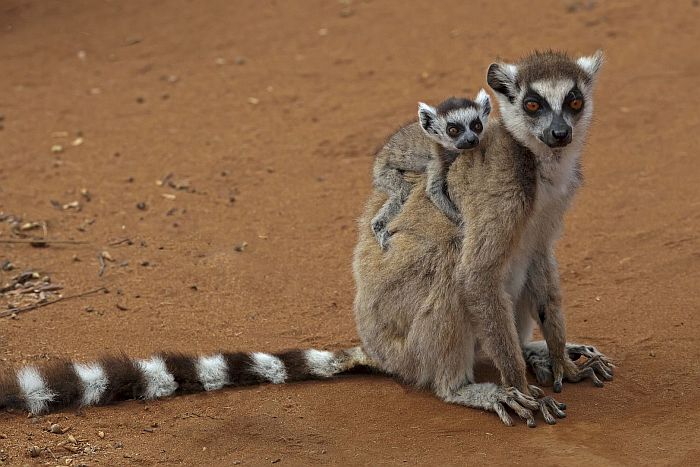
468,142
558,134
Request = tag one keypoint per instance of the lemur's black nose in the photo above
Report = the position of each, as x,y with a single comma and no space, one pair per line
560,134
468,142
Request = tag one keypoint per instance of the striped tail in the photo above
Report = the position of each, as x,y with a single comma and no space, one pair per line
111,379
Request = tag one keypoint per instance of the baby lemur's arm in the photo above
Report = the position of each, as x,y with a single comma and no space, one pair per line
436,188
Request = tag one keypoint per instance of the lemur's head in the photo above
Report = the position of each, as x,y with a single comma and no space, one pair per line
456,123
546,99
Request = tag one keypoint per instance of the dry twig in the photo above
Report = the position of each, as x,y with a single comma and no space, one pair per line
13,311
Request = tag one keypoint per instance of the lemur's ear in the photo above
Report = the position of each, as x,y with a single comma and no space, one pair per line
427,116
591,64
484,101
501,77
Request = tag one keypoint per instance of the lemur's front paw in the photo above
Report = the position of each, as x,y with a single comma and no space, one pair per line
552,372
597,368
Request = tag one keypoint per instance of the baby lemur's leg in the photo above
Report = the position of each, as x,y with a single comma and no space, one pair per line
392,182
551,360
436,189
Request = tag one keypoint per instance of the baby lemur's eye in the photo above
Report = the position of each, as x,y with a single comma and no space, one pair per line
476,126
576,104
453,130
532,106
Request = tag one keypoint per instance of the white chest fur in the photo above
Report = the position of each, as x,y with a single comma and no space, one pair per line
555,185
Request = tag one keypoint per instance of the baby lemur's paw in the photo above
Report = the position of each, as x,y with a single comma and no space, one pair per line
383,238
552,372
378,225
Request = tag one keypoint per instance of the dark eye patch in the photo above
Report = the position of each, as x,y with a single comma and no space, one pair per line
476,126
454,129
532,96
573,102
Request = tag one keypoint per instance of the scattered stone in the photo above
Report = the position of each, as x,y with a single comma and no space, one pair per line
220,61
105,254
77,141
56,429
239,60
57,149
71,439
241,247
140,100
141,206
323,32
34,451
101,434
253,100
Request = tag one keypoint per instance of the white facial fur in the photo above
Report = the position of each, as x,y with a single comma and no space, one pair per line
435,124
529,130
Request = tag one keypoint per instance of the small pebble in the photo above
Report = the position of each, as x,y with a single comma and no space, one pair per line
101,434
141,206
35,451
253,100
241,247
55,428
57,149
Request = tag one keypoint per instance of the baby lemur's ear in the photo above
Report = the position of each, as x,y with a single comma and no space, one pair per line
484,101
427,116
591,64
502,79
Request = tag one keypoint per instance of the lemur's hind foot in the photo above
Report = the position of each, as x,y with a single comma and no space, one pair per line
488,396
597,367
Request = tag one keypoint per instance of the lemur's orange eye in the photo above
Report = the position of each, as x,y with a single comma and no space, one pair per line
576,104
453,131
532,106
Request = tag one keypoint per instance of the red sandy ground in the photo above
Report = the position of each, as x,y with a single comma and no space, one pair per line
298,164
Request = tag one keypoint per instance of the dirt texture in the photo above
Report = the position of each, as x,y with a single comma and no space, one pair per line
259,121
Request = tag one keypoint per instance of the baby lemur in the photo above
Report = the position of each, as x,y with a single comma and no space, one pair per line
430,145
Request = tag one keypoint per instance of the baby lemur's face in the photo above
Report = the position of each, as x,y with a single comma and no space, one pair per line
457,123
